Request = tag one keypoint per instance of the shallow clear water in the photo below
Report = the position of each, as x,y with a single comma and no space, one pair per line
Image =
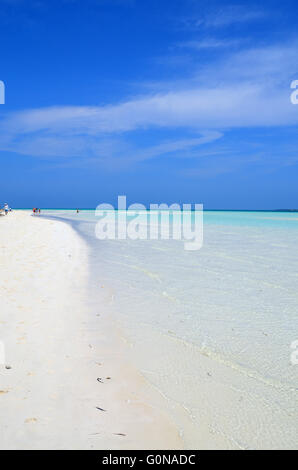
234,301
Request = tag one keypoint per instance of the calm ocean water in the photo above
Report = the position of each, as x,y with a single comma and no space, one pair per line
211,329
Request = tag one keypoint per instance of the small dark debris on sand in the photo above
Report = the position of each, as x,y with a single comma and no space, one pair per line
99,379
100,409
119,434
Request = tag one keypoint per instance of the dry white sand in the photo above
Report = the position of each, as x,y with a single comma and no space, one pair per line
56,350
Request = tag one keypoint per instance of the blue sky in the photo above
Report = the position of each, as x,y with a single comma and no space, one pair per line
163,101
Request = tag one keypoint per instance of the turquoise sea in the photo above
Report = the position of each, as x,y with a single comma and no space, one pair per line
211,329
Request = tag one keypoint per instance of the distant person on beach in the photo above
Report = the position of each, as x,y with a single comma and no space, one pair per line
6,209
78,211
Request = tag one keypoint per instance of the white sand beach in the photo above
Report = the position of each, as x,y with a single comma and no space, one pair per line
66,382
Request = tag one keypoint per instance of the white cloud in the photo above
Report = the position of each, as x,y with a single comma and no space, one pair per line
247,89
209,43
229,15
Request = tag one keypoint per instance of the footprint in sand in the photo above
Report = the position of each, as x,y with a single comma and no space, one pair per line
30,420
22,340
3,392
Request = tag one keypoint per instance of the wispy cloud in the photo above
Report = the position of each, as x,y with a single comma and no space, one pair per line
247,89
225,16
209,43
233,14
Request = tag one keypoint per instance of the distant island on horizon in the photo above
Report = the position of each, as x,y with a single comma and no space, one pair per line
286,210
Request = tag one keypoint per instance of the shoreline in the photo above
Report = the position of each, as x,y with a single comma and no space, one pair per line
219,397
71,384
157,388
